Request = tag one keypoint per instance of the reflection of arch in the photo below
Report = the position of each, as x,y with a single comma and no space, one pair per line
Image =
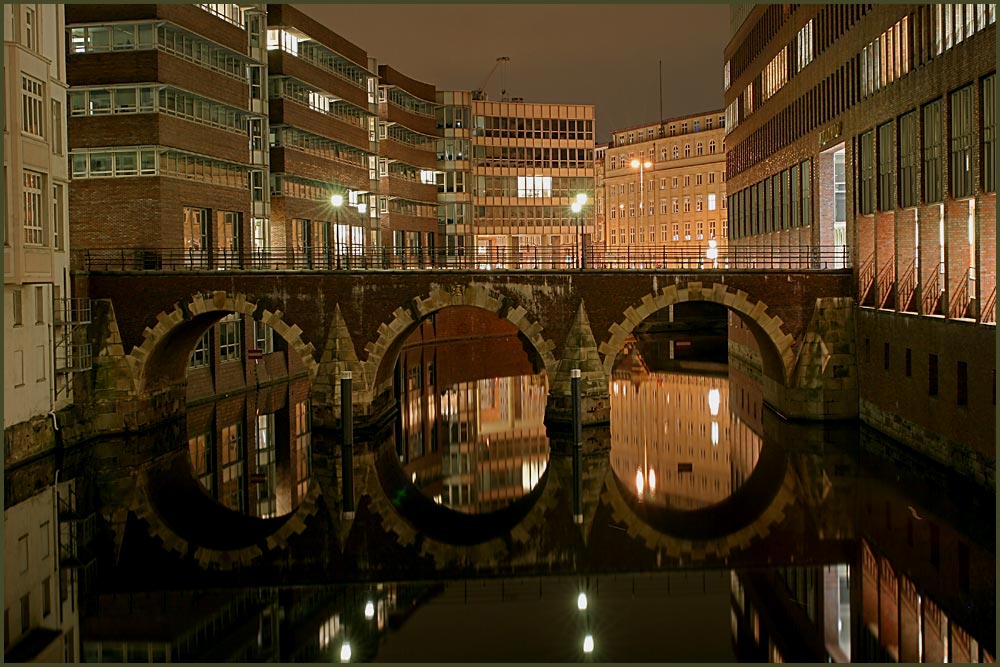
391,335
161,359
449,536
180,514
777,355
716,530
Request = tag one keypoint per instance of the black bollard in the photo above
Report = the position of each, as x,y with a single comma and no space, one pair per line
574,375
347,446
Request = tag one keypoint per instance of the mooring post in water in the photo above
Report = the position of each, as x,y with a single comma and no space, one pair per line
574,375
347,445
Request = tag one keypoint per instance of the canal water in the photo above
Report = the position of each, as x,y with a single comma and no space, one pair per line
712,529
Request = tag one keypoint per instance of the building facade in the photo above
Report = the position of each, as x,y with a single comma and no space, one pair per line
870,129
38,358
674,198
524,165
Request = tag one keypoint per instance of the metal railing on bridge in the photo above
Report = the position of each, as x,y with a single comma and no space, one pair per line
483,258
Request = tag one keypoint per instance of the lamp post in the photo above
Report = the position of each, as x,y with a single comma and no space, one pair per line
641,166
577,208
337,201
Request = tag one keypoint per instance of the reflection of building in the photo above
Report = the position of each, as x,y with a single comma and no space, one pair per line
39,350
524,164
681,201
675,440
182,626
252,452
870,130
44,548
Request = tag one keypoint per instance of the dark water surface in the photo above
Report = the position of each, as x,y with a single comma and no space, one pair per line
712,529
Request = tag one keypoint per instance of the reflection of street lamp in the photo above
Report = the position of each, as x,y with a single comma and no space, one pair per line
345,652
577,208
641,165
712,253
369,610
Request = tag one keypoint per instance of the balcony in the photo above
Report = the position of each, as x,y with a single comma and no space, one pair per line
394,186
290,112
295,162
191,17
412,155
416,122
279,63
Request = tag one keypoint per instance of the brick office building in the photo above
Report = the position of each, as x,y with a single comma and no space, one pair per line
870,129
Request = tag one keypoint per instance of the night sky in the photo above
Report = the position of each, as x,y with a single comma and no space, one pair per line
604,55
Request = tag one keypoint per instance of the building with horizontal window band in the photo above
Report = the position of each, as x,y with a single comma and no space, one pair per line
871,128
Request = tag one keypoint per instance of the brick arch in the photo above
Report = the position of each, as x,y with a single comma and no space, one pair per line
273,534
155,363
776,345
392,333
783,496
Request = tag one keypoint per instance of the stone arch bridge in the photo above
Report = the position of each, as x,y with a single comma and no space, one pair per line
336,321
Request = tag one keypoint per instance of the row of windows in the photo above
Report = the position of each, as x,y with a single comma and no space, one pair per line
227,12
453,149
672,130
618,236
155,161
145,36
319,146
897,144
699,179
933,371
783,201
150,99
520,156
32,105
701,203
453,117
414,105
522,215
531,186
317,100
39,212
674,153
532,128
838,92
406,136
313,52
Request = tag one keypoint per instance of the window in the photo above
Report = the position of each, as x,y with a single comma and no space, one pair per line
44,530
673,182
676,206
932,375
804,46
687,181
962,380
663,184
30,28
908,160
33,211
25,612
39,304
932,186
32,97
687,150
699,148
962,136
711,202
886,168
46,597
698,203
200,356
229,338
866,176
16,313
57,121
22,553
988,157
58,218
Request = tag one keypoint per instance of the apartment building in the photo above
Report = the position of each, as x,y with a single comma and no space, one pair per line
38,353
665,185
871,129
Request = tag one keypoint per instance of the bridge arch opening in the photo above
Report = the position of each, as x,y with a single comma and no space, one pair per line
385,351
777,354
161,360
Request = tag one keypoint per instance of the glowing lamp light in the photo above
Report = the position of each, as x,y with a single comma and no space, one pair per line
581,601
576,206
345,652
713,251
639,482
337,200
713,401
582,198
369,610
715,433
588,644
652,481
362,208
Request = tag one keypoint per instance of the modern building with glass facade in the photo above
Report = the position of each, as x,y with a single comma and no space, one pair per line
871,129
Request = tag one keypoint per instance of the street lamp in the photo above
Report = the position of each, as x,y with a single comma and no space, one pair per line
577,208
640,165
337,201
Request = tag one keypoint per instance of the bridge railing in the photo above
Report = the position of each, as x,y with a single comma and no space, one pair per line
499,258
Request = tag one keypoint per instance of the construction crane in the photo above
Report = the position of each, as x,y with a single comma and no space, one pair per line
501,64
